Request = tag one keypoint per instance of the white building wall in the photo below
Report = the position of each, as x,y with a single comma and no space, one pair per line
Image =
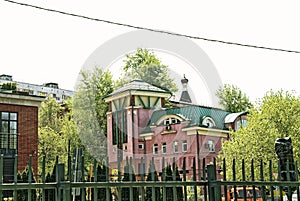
41,90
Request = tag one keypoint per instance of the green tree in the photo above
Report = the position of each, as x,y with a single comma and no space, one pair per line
51,138
179,190
144,65
56,129
69,128
232,99
90,110
23,177
101,177
129,175
152,176
169,177
277,116
8,86
50,114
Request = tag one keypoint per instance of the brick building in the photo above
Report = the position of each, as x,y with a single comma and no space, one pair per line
140,126
18,130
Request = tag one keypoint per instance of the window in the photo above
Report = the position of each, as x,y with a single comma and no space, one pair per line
175,146
171,120
211,146
141,146
184,146
155,149
241,124
209,122
8,130
174,121
124,147
164,148
119,127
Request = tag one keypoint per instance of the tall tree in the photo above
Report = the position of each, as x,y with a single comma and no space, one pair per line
50,115
144,65
232,99
51,137
179,189
90,110
152,176
101,177
56,129
129,175
277,116
169,177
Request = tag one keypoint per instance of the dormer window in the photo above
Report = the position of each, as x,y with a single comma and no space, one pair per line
209,122
171,120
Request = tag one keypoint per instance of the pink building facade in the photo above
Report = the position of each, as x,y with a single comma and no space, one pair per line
139,126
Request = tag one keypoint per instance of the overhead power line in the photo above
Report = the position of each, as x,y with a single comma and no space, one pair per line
154,30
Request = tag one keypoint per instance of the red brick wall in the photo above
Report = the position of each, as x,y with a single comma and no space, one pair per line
27,134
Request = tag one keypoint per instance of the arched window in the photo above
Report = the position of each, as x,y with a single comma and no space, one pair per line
171,120
209,122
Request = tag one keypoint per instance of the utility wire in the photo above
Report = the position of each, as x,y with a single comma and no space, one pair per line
154,30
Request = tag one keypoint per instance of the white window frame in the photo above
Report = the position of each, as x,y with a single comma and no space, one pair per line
175,147
209,122
171,120
184,146
141,146
163,148
211,146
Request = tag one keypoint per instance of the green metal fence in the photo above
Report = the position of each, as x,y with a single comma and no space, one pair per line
211,183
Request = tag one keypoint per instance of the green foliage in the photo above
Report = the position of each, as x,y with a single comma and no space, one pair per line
90,110
179,190
129,175
144,65
168,171
152,176
56,128
169,177
50,193
101,177
277,116
50,115
23,177
232,99
8,86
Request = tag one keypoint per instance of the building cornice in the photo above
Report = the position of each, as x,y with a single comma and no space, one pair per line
147,136
17,99
206,131
136,92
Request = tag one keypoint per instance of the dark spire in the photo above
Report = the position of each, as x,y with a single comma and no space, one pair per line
185,97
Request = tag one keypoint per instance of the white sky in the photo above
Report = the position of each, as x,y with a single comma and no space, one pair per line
38,46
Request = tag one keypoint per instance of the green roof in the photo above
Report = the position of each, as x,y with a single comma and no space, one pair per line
193,113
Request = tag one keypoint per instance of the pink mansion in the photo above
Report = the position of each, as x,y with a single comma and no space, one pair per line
141,127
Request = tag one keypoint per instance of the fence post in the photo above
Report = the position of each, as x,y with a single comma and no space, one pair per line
29,178
1,174
15,195
214,190
60,173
